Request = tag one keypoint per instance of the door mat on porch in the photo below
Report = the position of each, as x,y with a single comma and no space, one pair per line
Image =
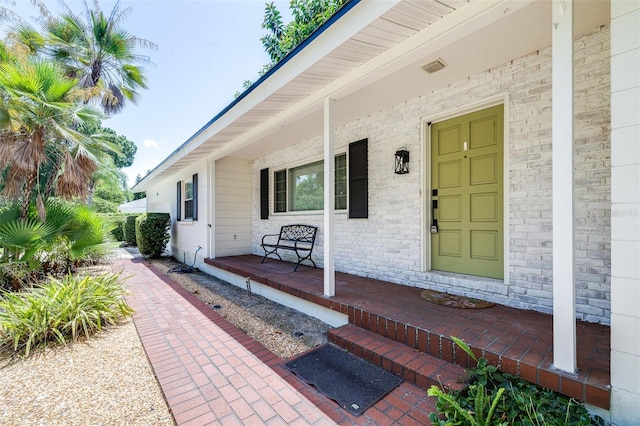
352,382
455,301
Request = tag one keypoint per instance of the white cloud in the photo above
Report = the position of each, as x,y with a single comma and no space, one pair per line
150,143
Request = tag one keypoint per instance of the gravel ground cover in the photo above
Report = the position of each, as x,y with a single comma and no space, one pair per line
106,380
284,331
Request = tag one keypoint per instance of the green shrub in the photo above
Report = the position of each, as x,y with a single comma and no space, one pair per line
496,398
129,229
60,311
30,248
115,221
99,205
117,231
152,233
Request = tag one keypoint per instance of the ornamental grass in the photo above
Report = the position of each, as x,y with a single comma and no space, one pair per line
60,311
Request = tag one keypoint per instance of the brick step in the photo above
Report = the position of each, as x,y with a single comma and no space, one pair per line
413,366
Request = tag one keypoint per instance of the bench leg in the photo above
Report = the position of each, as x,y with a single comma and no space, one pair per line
301,258
267,253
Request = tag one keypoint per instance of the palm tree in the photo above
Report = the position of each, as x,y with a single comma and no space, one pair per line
40,109
95,51
99,53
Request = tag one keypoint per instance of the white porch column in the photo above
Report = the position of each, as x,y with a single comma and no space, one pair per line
329,199
564,309
211,209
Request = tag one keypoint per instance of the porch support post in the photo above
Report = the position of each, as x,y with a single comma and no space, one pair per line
564,309
329,198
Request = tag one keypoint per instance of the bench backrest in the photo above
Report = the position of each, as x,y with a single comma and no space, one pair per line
299,233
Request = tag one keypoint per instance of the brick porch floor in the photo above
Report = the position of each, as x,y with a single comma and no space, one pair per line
212,373
518,341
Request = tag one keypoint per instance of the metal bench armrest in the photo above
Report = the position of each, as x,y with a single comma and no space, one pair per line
270,235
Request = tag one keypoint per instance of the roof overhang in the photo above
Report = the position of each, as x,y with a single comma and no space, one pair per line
369,57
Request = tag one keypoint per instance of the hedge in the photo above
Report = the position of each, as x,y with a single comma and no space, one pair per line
115,221
152,233
129,229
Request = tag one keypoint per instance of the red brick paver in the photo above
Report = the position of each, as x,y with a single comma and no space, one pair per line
207,375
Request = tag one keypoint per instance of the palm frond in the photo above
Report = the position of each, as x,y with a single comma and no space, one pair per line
23,238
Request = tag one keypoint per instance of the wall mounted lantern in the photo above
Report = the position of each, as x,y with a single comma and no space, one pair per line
402,161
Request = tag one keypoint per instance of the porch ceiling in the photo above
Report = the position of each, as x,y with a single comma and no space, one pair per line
378,66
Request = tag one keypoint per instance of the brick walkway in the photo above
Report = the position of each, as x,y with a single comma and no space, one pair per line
208,370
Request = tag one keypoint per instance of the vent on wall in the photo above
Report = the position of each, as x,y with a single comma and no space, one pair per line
434,66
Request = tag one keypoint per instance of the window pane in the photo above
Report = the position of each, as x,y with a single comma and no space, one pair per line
306,187
188,190
280,189
188,209
341,182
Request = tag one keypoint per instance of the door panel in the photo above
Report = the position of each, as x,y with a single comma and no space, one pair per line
450,174
483,170
448,139
467,172
484,207
450,243
450,208
484,245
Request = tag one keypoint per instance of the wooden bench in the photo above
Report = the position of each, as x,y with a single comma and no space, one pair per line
298,238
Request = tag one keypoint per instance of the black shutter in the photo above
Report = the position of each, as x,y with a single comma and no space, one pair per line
264,194
358,180
194,180
179,199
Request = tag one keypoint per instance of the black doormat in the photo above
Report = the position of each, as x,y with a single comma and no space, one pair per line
352,382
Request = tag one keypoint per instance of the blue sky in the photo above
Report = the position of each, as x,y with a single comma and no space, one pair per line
206,50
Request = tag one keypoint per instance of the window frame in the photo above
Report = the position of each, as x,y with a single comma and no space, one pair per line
187,202
283,176
187,208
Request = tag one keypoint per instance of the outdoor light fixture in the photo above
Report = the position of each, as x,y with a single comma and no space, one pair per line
402,161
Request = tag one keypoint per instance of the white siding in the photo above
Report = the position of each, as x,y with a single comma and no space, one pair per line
625,212
232,207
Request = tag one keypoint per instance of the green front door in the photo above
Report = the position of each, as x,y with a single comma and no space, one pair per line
466,179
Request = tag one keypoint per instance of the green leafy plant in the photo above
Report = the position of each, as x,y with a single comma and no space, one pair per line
115,221
152,233
31,248
496,398
129,229
60,311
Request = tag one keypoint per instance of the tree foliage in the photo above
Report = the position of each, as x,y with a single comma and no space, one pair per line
308,15
40,112
94,48
125,151
51,139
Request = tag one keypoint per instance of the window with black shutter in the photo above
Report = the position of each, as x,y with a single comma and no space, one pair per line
187,199
358,180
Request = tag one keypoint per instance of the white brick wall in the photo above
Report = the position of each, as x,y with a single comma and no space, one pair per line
387,245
